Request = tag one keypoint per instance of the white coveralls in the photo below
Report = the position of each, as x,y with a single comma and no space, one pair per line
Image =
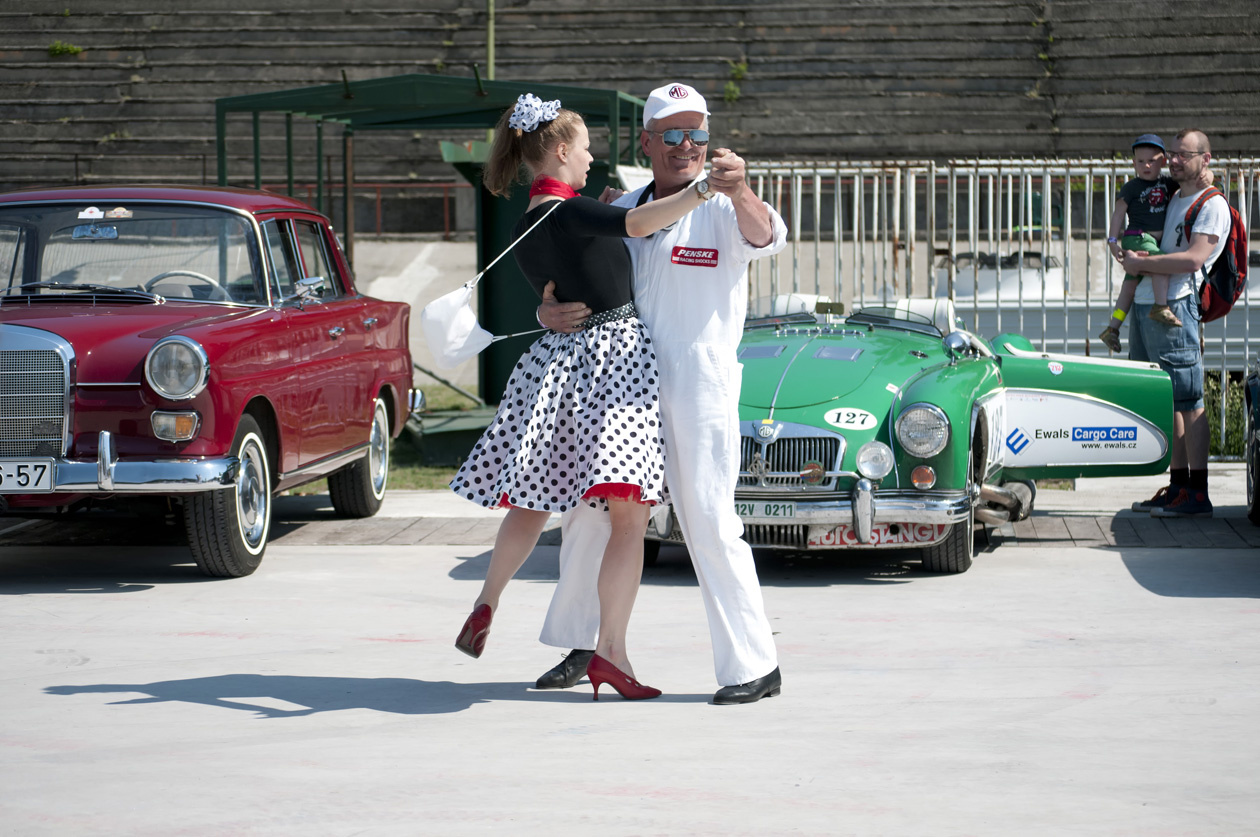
691,289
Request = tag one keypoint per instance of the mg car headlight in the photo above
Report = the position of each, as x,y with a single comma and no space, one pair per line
923,430
177,368
874,460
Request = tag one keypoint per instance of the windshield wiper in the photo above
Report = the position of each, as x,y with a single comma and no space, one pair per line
85,286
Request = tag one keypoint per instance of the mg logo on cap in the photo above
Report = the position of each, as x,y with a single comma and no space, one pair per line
677,92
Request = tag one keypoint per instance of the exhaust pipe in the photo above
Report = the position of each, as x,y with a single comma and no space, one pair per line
1015,498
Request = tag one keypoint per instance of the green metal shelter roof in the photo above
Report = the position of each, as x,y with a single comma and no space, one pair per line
430,102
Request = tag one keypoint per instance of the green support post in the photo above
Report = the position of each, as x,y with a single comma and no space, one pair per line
288,149
257,153
319,165
220,142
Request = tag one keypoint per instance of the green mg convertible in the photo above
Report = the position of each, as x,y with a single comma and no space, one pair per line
895,427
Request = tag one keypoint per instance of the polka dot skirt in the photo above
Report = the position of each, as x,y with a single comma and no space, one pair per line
579,412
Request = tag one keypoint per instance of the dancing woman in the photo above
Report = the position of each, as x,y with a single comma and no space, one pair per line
579,420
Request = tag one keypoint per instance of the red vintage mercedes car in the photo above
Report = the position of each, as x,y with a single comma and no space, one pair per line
202,344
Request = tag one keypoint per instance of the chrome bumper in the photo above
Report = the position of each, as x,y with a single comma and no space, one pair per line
862,510
157,476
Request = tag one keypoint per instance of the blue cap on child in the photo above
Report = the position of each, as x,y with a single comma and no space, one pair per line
1150,139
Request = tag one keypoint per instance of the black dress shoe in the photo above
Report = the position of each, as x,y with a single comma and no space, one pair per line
567,672
752,691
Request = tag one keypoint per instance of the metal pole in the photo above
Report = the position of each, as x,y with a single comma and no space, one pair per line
319,165
220,142
931,227
347,174
490,40
1089,256
288,149
257,154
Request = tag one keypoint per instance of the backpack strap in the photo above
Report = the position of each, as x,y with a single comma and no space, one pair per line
1192,214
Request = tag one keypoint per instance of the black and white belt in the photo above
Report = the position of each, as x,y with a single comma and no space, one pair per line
625,312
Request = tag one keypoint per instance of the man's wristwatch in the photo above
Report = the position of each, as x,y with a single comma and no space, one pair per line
703,190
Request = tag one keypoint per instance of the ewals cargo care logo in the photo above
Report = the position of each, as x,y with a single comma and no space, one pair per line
1104,434
1105,437
1087,437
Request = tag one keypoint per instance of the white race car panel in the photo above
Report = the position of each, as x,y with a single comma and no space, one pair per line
1046,428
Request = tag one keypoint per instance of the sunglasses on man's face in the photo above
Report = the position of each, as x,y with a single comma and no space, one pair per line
674,136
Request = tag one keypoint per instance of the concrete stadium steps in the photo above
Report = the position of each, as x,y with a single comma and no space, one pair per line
815,78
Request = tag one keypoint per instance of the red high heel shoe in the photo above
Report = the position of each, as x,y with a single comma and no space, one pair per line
601,671
472,639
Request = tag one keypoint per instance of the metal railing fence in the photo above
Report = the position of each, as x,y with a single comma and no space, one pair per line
1019,245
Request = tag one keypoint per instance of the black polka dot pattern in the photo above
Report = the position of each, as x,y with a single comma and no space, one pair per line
580,410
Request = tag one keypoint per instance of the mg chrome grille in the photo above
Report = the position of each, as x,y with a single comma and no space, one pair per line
782,461
782,535
33,387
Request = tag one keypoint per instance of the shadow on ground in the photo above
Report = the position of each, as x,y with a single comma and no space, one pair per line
288,696
1196,573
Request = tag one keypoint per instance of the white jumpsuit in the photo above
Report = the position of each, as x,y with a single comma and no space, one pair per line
691,289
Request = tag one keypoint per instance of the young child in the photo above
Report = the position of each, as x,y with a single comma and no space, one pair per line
1143,199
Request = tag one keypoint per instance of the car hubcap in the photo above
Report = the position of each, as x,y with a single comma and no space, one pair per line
378,451
252,495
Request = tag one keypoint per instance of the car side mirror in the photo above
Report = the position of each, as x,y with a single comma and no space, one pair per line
310,289
956,345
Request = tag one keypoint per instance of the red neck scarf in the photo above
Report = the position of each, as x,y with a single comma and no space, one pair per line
545,185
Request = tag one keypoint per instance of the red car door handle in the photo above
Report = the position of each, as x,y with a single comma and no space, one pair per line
336,331
369,322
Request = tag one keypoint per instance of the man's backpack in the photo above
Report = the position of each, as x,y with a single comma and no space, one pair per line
1224,283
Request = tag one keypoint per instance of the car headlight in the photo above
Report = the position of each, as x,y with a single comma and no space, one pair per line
923,430
177,368
874,460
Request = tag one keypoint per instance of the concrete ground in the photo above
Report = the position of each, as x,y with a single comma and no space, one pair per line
1049,690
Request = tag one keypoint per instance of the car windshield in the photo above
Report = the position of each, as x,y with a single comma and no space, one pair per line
894,318
175,251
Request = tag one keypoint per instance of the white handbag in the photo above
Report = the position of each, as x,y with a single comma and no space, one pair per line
450,326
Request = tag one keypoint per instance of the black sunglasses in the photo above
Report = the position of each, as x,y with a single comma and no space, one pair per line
674,136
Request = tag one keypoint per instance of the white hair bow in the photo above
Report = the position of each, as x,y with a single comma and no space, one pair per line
531,111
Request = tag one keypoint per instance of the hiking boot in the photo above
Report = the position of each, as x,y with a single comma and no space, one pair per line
1161,499
1163,315
1189,502
1111,339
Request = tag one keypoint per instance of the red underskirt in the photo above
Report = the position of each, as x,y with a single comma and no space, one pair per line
607,490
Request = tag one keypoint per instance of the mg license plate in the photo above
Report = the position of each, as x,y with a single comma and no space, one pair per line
25,476
760,509
882,534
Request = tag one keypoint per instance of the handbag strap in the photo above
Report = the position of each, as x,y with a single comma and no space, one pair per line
472,283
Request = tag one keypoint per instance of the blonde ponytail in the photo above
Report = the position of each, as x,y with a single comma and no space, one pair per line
514,149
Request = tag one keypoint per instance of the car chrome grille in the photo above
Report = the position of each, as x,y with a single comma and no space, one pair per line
783,535
787,456
32,402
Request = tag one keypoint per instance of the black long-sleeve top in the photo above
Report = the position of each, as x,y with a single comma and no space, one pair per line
579,247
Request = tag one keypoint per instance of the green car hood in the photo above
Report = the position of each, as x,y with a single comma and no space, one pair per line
859,367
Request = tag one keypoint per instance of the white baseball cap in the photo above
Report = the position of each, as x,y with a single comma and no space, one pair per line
671,99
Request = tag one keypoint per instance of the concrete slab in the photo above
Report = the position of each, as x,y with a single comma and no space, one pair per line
1047,691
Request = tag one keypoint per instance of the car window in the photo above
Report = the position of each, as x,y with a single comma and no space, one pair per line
315,257
173,250
11,240
283,261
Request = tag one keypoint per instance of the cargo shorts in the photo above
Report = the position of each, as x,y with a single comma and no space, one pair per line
1176,350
